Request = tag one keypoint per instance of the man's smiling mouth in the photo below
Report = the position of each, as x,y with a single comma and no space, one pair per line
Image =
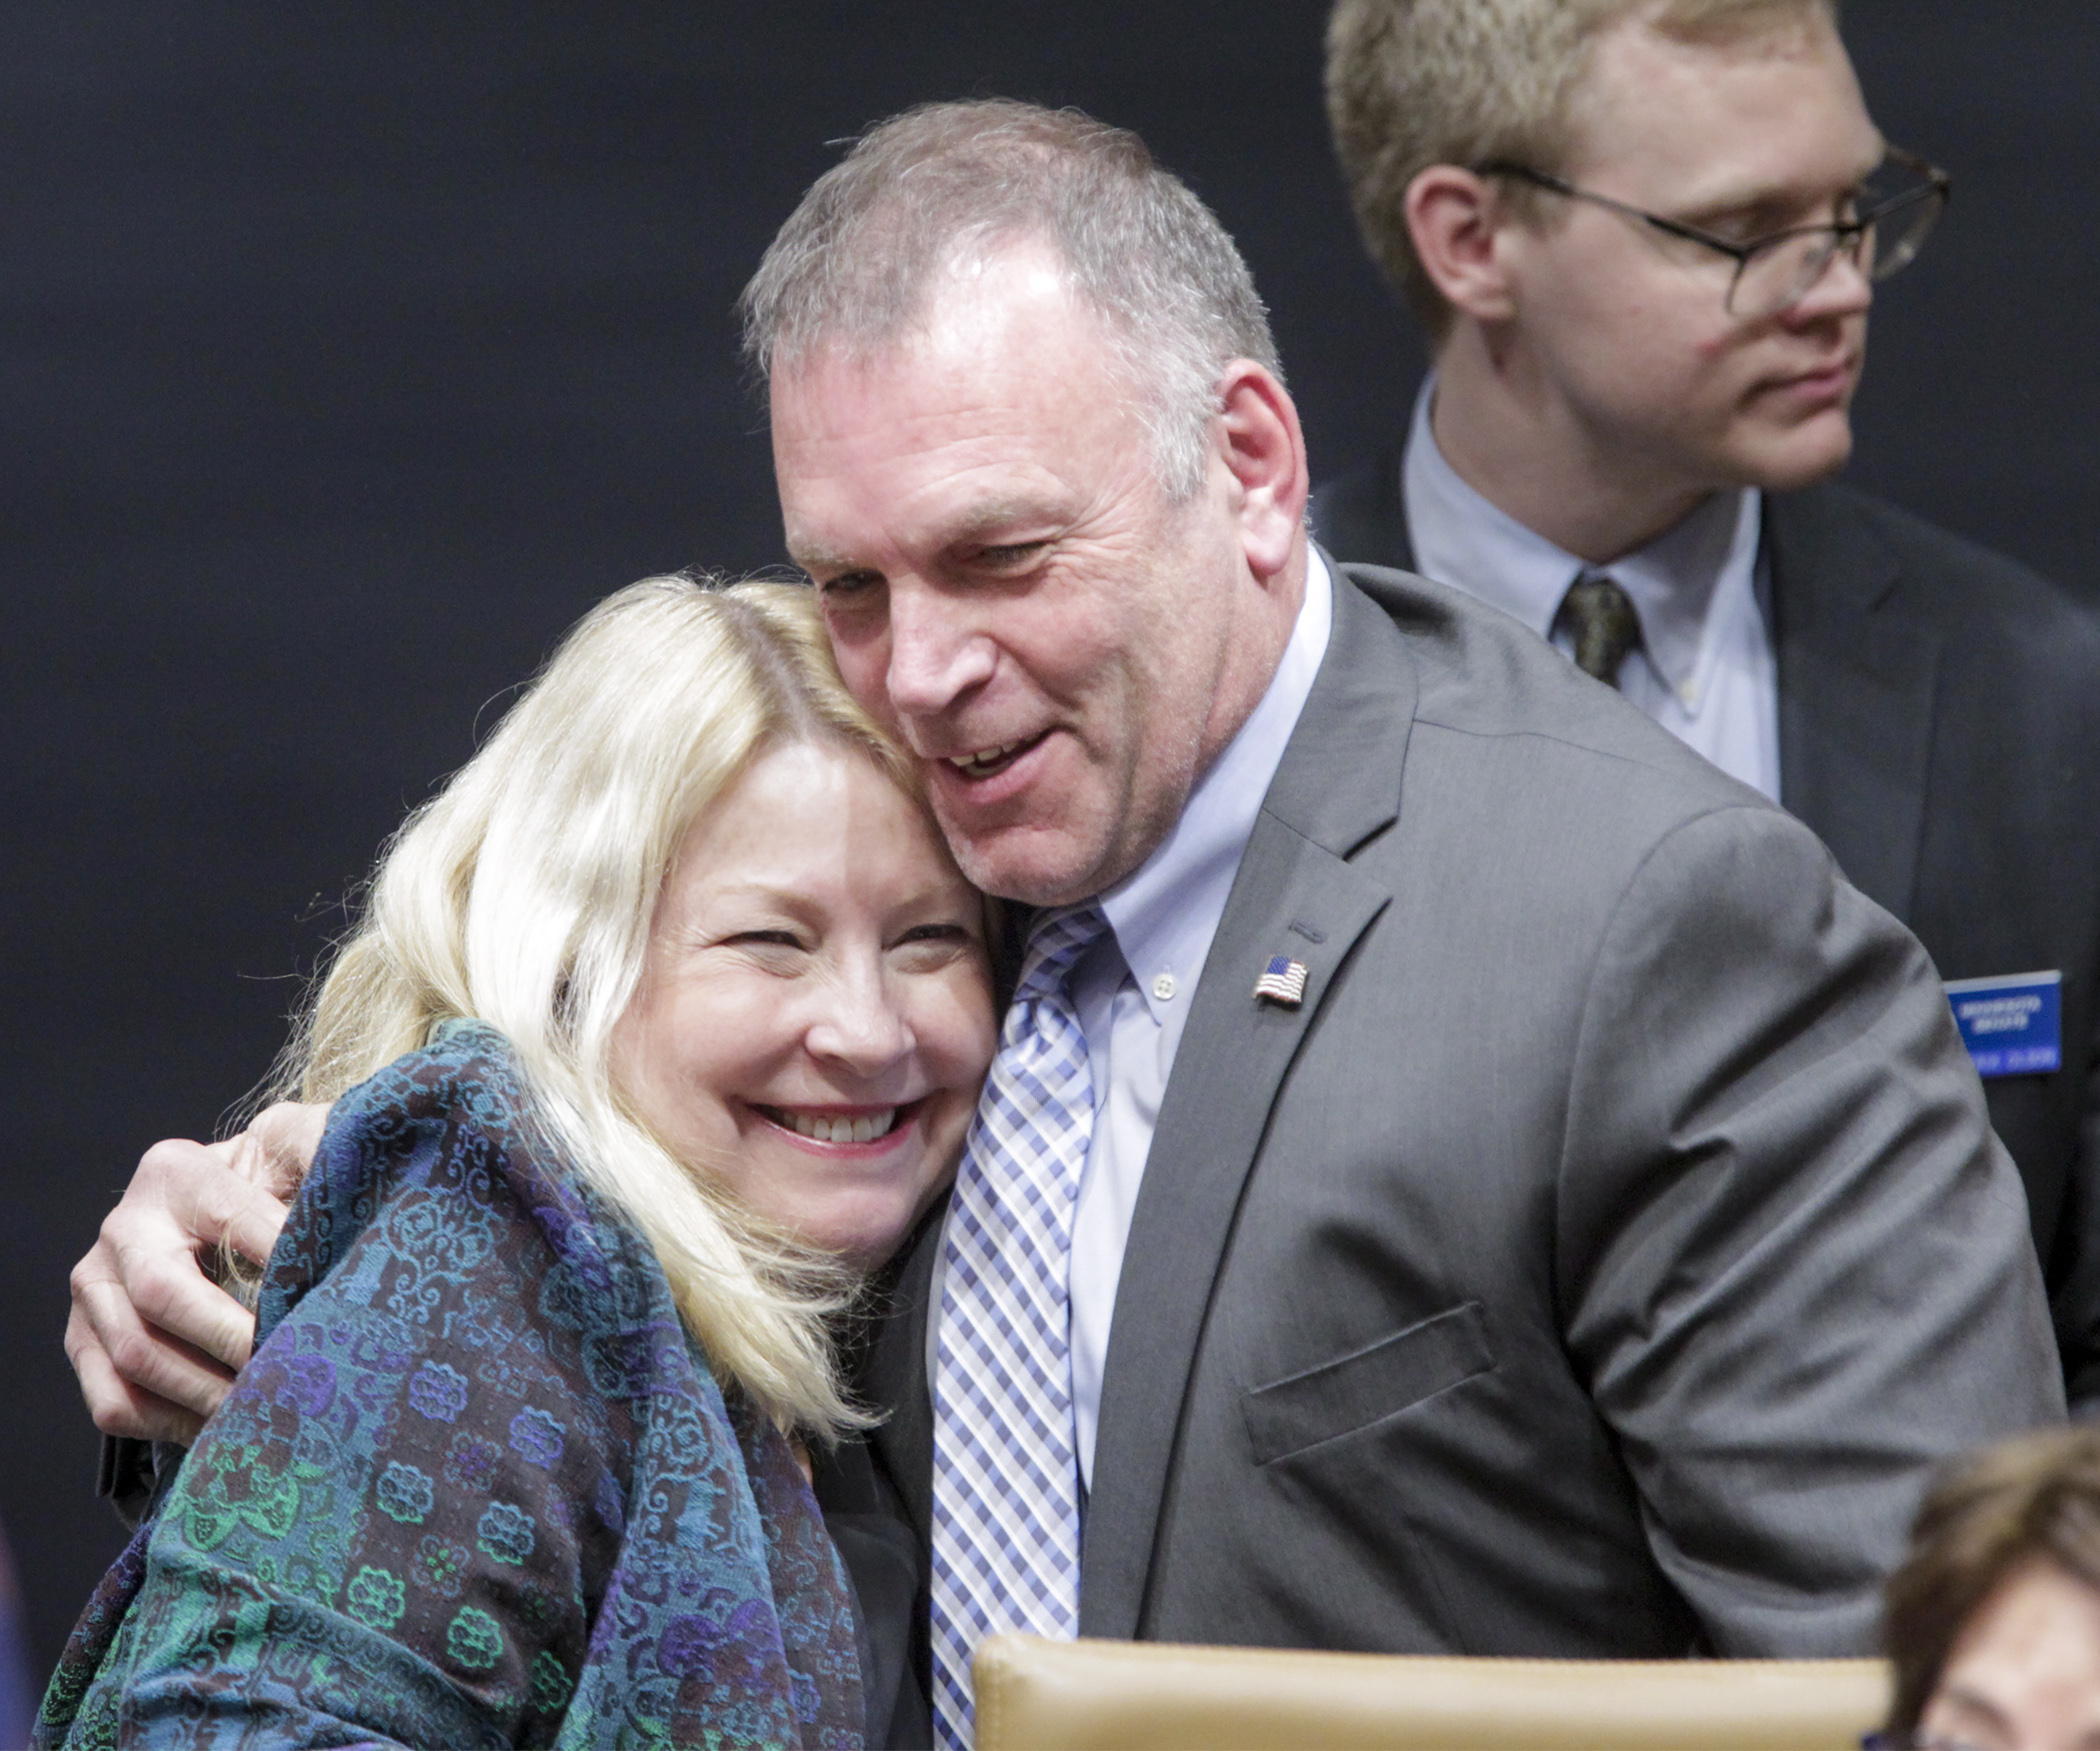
987,761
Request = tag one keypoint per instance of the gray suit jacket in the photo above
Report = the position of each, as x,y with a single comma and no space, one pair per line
1939,729
1596,1260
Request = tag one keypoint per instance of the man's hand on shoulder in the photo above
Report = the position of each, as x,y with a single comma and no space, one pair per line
154,1341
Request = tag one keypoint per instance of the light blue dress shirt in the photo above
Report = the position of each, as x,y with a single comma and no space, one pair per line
1133,989
1705,669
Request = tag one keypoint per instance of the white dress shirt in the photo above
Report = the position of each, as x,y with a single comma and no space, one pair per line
1133,989
1704,670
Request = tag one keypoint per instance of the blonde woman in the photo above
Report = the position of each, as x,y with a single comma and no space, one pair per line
666,1019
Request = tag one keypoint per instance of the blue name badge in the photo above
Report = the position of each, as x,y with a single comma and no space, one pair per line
2012,1025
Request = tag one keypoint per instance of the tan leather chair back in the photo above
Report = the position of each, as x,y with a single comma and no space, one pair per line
1036,1695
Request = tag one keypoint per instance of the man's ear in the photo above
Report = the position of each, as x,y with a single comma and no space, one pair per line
1265,451
1453,217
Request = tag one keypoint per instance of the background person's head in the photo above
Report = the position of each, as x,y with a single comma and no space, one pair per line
1416,83
1993,1622
1033,447
697,889
1739,118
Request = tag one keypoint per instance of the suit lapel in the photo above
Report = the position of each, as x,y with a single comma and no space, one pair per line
893,1375
1338,783
1858,664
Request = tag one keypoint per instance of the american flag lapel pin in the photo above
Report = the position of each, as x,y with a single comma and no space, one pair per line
1282,981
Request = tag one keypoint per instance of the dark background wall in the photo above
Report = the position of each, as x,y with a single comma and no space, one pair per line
350,351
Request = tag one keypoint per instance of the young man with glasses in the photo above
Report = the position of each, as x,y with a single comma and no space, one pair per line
1643,239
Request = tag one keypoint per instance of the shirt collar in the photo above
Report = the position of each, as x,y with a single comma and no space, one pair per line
1675,580
1165,912
1461,539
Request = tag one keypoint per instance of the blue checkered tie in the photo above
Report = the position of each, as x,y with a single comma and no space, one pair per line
1005,1462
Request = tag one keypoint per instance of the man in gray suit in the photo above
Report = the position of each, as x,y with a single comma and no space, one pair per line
1472,1177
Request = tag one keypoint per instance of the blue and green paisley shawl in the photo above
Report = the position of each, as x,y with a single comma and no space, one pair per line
477,1487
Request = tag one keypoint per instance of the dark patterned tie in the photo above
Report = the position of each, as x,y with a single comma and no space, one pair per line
1598,615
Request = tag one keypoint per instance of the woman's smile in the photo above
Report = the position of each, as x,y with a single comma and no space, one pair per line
814,1016
842,1126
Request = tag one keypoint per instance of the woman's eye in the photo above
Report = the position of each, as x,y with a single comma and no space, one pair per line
766,939
930,942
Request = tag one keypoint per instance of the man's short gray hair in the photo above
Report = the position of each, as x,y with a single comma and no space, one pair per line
951,184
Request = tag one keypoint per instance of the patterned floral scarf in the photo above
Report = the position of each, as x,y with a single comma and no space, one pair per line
477,1486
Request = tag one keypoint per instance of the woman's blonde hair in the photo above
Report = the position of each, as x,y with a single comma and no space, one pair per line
522,895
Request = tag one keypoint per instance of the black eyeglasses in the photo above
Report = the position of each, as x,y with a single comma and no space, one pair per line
1894,212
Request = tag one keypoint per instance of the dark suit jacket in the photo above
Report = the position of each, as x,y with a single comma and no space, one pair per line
1939,729
1595,1261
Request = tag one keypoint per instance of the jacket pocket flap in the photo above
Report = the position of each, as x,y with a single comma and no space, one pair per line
1302,1410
